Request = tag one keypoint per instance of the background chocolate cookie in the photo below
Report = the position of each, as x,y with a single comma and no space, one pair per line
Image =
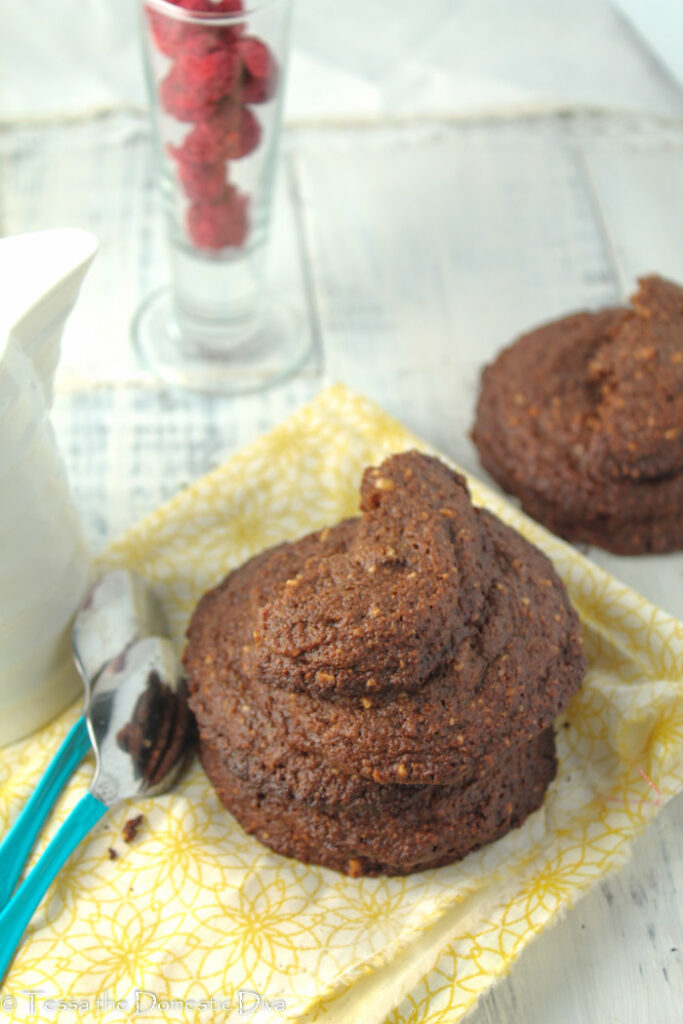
415,646
582,419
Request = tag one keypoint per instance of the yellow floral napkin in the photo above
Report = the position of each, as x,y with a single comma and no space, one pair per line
195,921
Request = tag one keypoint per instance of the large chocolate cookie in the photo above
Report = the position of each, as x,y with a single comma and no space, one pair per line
415,646
582,419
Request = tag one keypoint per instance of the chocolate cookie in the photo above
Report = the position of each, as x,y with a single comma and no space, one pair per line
415,646
582,419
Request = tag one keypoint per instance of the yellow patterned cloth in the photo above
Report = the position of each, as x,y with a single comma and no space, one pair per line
196,921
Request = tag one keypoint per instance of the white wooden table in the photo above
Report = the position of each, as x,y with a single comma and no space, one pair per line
415,249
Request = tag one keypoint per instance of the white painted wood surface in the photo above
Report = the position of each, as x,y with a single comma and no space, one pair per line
360,58
416,250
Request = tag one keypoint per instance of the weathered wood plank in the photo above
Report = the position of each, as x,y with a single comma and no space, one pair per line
636,177
433,248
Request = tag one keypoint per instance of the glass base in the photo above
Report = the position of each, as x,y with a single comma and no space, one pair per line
249,357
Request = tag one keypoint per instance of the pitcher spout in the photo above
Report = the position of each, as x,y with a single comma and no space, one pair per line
41,274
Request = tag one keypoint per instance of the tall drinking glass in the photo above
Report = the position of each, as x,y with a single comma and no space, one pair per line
215,73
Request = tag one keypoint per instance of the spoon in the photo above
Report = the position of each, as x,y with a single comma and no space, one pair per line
118,610
138,722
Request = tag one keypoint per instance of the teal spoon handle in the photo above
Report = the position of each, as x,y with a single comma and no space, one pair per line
20,909
18,843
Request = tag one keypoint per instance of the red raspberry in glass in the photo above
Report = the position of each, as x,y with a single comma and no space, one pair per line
232,132
171,34
230,33
240,138
217,225
259,70
180,104
228,7
195,84
203,144
204,181
199,41
225,34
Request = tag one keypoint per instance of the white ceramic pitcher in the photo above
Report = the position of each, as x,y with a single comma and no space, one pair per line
44,561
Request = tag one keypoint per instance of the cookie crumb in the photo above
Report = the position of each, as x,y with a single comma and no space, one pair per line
112,853
130,829
354,867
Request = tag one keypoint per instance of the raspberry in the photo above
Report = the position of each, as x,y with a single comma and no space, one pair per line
228,6
259,70
203,144
232,132
217,225
229,33
200,41
171,35
195,84
182,105
242,138
204,181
